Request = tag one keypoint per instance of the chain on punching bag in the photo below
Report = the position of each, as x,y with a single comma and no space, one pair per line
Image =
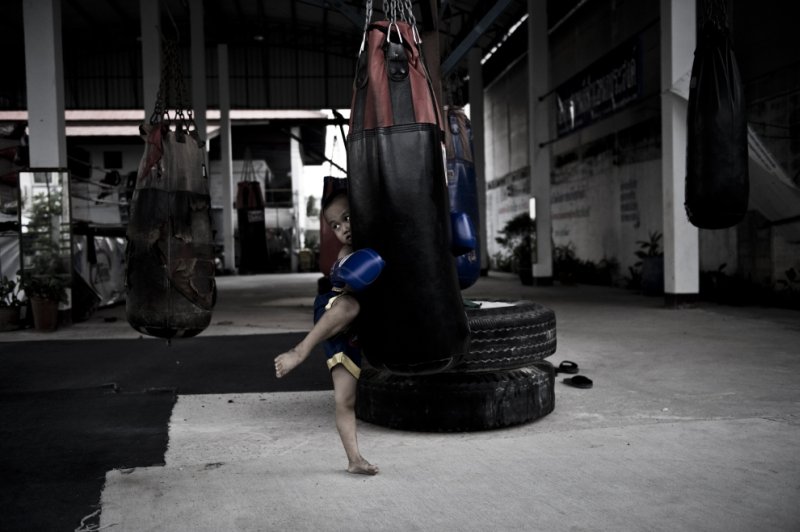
170,253
412,318
717,183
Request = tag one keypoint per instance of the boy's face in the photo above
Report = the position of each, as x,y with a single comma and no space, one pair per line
337,216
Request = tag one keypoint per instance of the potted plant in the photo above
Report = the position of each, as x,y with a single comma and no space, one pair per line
518,237
44,277
651,261
9,304
45,290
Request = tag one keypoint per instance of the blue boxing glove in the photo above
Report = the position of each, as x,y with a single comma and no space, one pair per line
357,270
463,238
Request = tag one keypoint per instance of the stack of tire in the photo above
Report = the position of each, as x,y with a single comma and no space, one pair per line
504,379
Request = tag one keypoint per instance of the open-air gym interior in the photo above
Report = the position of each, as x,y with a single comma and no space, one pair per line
580,311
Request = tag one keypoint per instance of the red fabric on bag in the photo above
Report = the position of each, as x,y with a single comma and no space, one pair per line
378,107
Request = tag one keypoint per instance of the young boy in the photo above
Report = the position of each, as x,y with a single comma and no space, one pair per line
334,312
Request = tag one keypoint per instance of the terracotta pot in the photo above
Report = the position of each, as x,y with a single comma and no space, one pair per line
9,318
653,276
45,314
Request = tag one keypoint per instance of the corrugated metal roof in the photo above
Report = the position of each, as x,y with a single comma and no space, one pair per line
283,53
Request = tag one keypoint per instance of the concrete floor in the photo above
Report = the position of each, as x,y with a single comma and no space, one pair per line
693,424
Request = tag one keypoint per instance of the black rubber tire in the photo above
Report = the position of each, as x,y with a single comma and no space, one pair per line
456,402
508,337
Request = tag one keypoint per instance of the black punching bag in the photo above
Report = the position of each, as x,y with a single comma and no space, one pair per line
412,318
717,184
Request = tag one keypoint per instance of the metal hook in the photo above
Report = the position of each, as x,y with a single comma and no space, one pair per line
396,28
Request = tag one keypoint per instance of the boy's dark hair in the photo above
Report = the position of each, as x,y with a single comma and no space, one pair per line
332,188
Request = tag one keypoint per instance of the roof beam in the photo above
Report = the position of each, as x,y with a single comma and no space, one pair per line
83,12
342,7
464,46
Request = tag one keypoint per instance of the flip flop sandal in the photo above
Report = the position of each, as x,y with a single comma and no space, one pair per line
578,381
567,367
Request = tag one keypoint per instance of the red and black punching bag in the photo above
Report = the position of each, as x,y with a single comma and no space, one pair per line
717,183
412,318
252,227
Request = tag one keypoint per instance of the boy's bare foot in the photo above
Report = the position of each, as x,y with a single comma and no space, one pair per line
362,467
286,362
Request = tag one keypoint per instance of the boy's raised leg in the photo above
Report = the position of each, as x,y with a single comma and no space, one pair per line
333,321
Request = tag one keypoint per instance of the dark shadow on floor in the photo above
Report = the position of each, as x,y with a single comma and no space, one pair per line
72,410
204,364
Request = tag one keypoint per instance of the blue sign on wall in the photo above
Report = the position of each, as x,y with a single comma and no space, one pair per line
606,86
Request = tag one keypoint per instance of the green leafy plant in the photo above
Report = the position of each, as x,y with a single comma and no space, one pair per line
517,238
50,286
44,275
787,291
9,293
565,264
792,281
650,248
569,269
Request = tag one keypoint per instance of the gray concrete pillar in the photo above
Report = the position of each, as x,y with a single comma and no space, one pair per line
538,133
149,11
681,246
45,83
298,207
226,157
478,139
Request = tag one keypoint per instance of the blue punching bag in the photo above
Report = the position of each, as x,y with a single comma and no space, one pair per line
461,184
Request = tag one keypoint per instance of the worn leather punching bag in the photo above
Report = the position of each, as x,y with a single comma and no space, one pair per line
170,253
412,319
717,183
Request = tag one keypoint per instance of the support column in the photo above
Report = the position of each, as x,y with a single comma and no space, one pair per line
538,133
149,11
45,82
199,101
479,150
681,244
226,157
299,216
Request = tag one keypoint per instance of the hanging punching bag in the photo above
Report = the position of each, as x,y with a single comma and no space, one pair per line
463,188
252,227
170,252
717,184
412,318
